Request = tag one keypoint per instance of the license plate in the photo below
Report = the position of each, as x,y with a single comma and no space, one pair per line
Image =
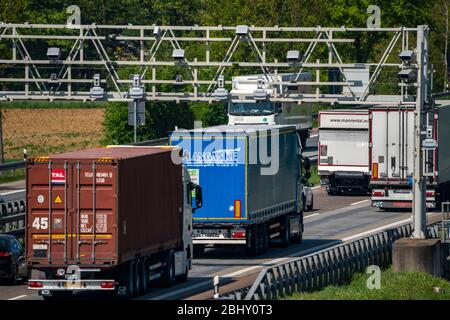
73,285
208,234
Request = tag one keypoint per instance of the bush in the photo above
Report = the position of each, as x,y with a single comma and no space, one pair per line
160,119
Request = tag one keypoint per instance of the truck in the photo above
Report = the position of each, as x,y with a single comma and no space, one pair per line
248,200
245,109
391,154
343,150
108,219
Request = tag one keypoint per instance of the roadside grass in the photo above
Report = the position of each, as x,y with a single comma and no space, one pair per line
12,175
394,286
314,179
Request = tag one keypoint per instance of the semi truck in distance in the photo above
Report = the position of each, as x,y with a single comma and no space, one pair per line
247,110
243,203
108,219
343,150
392,155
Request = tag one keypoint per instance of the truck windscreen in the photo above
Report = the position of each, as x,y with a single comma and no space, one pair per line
251,109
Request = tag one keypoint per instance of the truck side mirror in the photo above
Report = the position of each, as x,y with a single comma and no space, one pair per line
197,194
278,108
307,164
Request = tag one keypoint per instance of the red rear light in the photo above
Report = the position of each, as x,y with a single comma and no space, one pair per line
107,285
378,194
238,235
5,254
35,284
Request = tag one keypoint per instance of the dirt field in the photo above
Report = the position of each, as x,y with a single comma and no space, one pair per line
46,131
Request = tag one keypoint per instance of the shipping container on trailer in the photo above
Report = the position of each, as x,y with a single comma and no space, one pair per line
245,203
391,155
343,150
111,214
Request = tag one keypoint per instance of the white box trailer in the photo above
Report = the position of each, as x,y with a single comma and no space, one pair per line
343,150
391,154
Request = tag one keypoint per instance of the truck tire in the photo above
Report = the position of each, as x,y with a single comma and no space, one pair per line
168,273
145,275
311,206
138,277
126,279
261,240
252,241
285,234
13,280
298,237
265,237
199,249
184,276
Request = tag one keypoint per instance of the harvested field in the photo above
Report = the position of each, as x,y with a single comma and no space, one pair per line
46,131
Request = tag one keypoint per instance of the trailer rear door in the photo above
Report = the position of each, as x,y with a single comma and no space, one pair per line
391,147
65,200
216,163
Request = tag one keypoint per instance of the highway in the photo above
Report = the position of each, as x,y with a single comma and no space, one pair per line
335,219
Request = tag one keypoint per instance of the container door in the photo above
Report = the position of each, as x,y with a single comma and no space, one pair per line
94,186
49,208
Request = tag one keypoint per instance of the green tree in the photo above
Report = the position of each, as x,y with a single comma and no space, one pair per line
161,118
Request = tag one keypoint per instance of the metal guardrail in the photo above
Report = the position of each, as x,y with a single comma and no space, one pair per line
332,266
154,142
12,218
12,165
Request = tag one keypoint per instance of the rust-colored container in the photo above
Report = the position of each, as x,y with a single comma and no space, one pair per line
133,195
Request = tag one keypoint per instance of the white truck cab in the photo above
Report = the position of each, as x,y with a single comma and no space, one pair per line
245,109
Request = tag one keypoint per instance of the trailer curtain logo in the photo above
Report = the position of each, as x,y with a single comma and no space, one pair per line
226,148
222,157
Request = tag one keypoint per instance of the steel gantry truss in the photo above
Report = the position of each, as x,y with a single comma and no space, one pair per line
205,53
116,59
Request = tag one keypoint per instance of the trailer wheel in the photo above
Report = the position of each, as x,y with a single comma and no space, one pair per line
168,274
285,233
252,240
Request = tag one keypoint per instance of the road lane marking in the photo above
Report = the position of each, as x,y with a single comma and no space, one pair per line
297,254
311,215
18,297
314,135
11,192
182,290
384,227
359,202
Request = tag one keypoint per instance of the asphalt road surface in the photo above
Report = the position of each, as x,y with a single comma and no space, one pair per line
335,219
